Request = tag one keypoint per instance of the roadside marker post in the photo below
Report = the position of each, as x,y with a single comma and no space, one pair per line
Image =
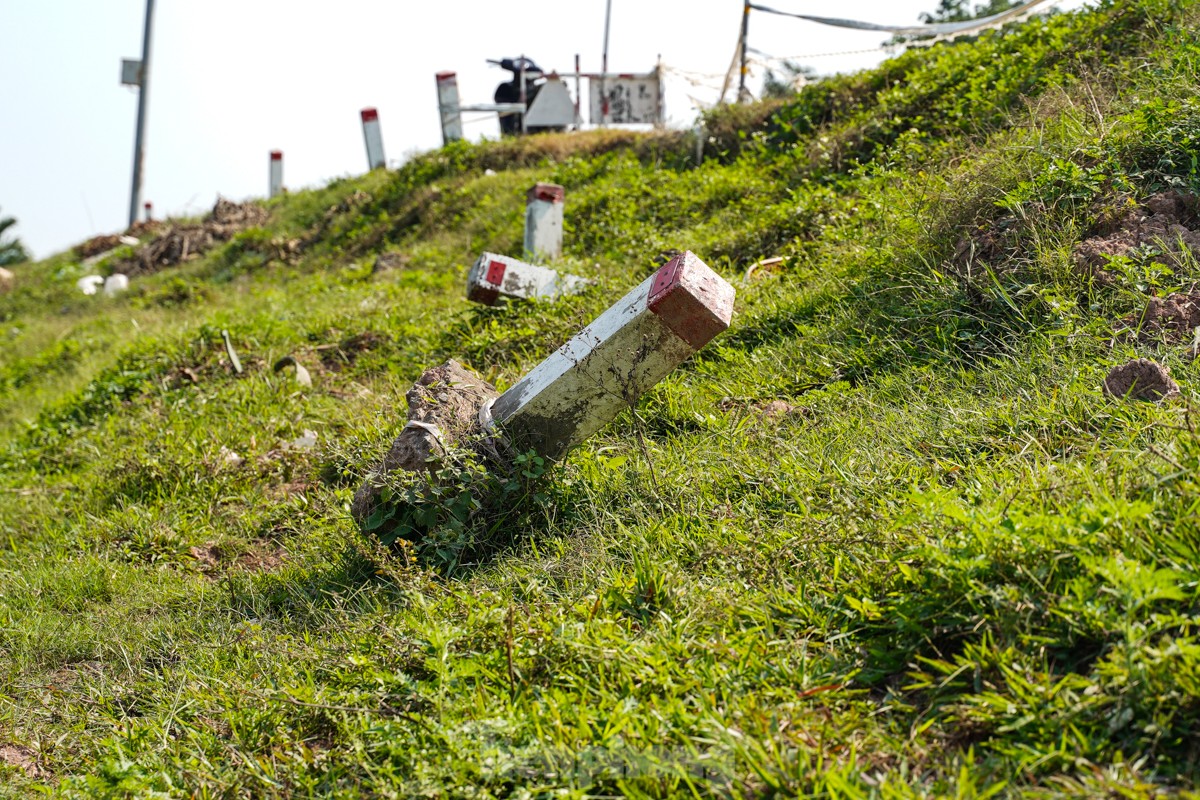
495,277
275,179
448,105
613,361
544,222
149,207
373,138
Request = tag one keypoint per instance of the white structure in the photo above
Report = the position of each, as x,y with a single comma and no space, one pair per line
448,106
608,365
544,222
149,207
275,179
494,277
89,284
373,138
115,284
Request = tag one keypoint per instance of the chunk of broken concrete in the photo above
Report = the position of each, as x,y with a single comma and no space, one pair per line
89,284
1141,379
115,284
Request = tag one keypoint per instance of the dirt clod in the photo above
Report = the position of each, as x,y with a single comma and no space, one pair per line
447,399
1141,379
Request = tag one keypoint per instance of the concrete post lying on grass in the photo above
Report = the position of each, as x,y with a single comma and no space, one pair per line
448,105
373,138
608,365
495,277
275,179
544,222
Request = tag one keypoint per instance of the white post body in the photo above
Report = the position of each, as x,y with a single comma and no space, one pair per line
608,365
149,207
544,222
275,180
115,284
495,277
373,138
448,105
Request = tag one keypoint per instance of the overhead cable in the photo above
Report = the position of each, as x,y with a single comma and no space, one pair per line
937,29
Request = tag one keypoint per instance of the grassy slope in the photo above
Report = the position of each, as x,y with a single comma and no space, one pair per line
955,568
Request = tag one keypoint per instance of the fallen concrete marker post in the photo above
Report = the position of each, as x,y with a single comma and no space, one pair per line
612,362
571,395
373,138
544,222
495,277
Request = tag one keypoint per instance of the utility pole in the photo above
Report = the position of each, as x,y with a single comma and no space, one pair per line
604,67
742,49
135,195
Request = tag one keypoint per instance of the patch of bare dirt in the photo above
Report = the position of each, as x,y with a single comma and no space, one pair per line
767,410
213,559
1166,224
346,352
20,757
183,242
1141,379
1172,318
97,245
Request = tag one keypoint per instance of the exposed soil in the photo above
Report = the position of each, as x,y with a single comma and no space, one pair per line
1166,225
20,757
349,349
97,245
1140,379
1172,318
260,557
183,242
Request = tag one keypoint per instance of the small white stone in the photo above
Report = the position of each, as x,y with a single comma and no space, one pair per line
115,284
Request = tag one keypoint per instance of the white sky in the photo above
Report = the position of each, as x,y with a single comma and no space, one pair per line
233,79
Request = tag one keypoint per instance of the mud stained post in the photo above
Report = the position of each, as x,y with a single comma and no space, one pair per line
448,105
373,138
495,277
608,365
275,179
544,222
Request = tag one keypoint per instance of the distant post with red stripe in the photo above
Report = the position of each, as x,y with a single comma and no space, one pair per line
495,277
149,209
544,222
275,183
373,138
612,362
448,105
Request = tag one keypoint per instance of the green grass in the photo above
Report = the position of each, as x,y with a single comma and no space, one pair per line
953,568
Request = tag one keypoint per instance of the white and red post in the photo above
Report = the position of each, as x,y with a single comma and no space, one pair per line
149,209
448,105
608,365
373,137
544,222
275,180
495,277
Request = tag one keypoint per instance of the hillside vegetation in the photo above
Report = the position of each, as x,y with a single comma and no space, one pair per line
885,537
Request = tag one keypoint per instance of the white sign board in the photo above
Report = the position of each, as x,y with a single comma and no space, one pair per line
632,99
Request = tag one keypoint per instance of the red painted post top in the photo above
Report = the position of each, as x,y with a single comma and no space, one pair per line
691,299
446,76
369,115
277,155
549,192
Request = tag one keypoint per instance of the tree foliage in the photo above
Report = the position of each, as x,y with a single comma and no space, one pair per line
12,251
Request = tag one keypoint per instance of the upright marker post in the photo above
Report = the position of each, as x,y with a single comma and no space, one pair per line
149,211
544,222
275,178
608,365
373,138
448,105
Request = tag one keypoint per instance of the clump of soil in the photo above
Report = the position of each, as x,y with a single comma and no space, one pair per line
387,262
1141,379
1166,224
990,243
1172,318
443,409
97,245
183,242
